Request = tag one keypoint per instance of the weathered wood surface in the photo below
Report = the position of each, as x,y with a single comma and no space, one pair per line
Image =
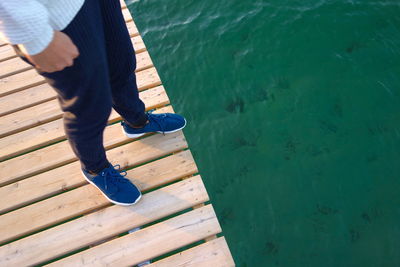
48,212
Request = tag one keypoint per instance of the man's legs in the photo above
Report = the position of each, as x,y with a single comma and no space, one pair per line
84,89
121,64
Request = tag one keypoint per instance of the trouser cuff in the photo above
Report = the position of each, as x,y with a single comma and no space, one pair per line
141,121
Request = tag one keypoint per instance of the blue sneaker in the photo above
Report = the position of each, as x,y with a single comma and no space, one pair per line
114,186
160,123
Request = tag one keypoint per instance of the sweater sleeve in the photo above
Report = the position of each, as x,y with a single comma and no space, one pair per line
26,23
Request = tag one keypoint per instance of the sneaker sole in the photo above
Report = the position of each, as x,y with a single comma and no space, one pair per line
141,134
112,201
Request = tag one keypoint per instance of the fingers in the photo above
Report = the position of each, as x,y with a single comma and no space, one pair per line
59,54
75,52
70,62
55,67
73,49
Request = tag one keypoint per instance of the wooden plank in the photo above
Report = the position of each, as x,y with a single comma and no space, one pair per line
26,98
160,238
44,112
53,131
29,117
13,66
56,155
20,81
147,78
143,61
123,4
103,224
6,52
67,177
138,44
210,254
127,15
132,29
83,199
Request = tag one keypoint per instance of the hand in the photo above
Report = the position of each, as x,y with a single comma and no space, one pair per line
59,54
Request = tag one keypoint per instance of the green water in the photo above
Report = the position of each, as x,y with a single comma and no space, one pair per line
294,121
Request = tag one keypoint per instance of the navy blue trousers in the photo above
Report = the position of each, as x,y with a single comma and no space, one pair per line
102,77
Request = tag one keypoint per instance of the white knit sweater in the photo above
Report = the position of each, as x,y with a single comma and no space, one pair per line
31,23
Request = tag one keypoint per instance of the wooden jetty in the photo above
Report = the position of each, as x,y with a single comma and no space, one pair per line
49,215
